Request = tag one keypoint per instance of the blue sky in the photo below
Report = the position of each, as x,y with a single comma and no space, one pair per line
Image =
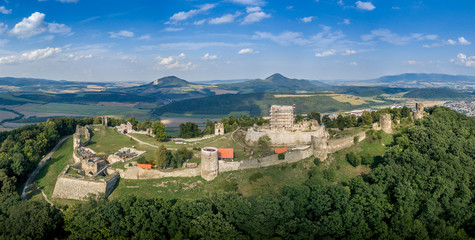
91,40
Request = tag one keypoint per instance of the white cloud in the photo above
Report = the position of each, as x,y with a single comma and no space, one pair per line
368,6
307,19
227,18
255,17
30,56
249,2
410,62
207,57
181,16
76,57
172,29
176,62
253,9
145,37
346,21
328,53
35,25
463,41
386,35
348,52
121,34
340,2
354,64
68,1
247,51
459,41
4,10
464,60
200,22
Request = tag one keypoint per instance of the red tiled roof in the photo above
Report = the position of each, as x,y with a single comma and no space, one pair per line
226,153
145,166
280,150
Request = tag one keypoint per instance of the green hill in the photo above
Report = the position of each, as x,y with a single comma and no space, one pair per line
275,83
436,93
257,104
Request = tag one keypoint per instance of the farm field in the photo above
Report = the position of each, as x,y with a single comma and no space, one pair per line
89,110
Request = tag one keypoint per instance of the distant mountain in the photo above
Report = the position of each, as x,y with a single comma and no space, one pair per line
418,80
275,83
222,81
436,93
11,84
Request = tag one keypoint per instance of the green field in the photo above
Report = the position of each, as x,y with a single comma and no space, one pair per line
89,110
204,116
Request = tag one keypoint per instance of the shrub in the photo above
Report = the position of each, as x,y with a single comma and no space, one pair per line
255,176
316,161
141,160
281,156
356,139
353,158
329,174
366,160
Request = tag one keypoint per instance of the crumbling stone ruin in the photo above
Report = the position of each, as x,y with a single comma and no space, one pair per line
124,154
386,123
419,113
282,117
149,132
104,121
321,147
219,129
125,128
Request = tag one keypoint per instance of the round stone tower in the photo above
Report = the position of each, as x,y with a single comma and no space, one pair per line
209,163
320,147
386,123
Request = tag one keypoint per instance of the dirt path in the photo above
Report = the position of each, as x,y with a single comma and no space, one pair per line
43,162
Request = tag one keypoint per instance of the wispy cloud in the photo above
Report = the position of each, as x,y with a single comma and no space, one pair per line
459,41
181,16
368,6
121,34
464,60
307,19
208,57
172,29
255,14
174,62
35,25
328,53
227,18
4,10
247,51
249,2
385,35
30,56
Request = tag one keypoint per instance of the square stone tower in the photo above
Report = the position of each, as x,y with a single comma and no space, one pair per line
219,129
282,117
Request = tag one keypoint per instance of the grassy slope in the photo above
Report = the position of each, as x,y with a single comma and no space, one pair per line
46,178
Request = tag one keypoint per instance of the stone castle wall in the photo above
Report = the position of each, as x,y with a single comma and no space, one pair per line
79,188
321,147
140,173
284,137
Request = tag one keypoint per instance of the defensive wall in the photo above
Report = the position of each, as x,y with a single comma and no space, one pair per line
212,170
285,137
79,187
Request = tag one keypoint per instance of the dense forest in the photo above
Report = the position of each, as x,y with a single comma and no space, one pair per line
423,188
436,93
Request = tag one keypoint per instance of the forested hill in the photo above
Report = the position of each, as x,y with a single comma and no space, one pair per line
275,83
423,188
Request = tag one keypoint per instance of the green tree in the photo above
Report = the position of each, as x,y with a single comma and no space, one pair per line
315,116
162,156
366,118
158,128
189,130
